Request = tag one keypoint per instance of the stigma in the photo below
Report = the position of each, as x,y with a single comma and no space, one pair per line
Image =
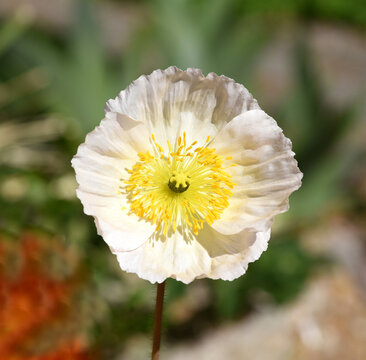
179,182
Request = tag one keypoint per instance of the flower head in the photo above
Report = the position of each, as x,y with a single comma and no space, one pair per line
184,176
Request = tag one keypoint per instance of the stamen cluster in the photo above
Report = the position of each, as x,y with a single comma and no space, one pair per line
184,185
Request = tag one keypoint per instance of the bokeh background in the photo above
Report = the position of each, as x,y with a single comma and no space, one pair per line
62,294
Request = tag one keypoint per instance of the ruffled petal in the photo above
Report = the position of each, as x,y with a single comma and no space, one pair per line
265,175
178,256
231,254
186,257
100,164
162,99
118,136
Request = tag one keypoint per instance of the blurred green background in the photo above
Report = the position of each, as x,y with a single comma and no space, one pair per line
60,61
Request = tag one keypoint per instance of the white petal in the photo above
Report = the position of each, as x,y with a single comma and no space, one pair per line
195,130
266,174
121,230
100,164
119,136
160,99
176,256
129,234
188,257
231,254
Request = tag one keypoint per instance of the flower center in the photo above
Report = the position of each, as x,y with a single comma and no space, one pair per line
180,186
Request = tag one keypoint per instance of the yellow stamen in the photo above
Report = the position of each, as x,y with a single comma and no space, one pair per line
185,187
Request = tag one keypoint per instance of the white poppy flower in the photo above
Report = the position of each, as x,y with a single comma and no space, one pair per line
184,176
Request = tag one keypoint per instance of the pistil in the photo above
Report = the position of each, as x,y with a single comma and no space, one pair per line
179,182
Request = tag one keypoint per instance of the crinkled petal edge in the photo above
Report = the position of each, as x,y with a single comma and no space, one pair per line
226,267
